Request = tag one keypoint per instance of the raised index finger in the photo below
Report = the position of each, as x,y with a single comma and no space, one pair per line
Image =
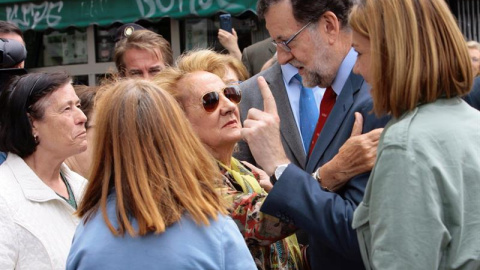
269,105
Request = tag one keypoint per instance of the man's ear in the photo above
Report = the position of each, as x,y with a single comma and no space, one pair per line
330,25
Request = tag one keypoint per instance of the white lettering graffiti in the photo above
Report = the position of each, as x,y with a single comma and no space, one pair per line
151,8
163,8
29,15
204,4
148,8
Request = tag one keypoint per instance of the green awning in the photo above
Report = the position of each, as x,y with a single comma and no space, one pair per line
40,15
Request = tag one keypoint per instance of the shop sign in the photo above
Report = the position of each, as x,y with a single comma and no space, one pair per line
40,15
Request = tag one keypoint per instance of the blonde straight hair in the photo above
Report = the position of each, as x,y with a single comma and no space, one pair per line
418,53
148,155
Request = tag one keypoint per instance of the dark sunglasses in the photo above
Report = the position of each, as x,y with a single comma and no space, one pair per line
211,99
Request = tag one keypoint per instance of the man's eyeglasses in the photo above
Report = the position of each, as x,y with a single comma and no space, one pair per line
211,100
284,44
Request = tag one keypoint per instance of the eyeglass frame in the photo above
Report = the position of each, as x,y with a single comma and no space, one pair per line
221,92
284,44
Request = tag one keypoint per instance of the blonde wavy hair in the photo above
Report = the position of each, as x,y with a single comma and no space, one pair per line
418,53
211,61
148,155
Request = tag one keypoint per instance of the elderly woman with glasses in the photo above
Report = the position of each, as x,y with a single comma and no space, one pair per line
211,108
41,125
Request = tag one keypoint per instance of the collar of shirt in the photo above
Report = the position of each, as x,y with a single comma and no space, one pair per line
344,71
293,87
288,71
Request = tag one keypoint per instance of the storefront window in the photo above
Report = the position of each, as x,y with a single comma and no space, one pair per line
80,80
196,33
65,48
56,48
104,45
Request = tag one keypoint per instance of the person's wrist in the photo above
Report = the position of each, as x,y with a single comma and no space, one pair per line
277,173
317,175
271,165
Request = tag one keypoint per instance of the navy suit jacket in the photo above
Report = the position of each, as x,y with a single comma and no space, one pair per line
327,217
473,98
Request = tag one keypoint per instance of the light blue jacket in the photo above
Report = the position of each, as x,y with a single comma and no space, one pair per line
184,245
421,208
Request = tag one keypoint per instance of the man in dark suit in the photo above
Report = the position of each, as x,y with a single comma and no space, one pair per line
279,78
255,55
251,98
357,152
314,36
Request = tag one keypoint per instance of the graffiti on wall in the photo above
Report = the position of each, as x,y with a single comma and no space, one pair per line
29,15
150,8
52,14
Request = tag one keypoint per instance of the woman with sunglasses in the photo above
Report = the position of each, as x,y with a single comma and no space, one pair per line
211,107
232,72
41,125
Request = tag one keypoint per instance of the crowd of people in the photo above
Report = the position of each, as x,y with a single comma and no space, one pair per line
350,139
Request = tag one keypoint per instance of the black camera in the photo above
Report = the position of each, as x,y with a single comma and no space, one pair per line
12,52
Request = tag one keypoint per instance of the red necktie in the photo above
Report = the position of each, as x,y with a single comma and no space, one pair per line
328,101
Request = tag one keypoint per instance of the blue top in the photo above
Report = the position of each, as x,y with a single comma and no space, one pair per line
421,205
184,245
3,157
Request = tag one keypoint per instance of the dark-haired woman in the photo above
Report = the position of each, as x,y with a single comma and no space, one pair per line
41,125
